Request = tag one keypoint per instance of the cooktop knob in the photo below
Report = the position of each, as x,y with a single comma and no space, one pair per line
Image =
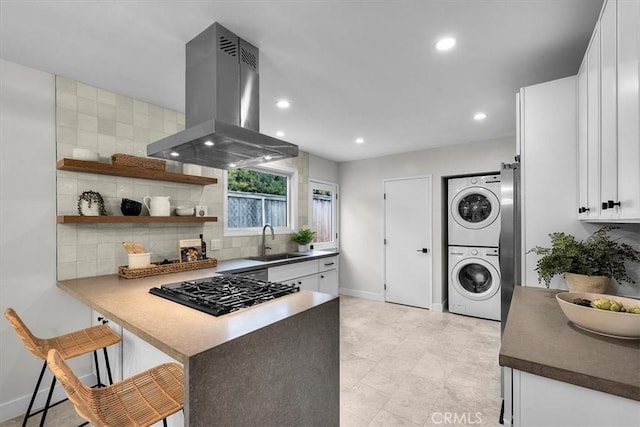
474,252
474,180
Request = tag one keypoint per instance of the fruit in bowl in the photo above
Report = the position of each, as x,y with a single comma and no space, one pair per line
593,313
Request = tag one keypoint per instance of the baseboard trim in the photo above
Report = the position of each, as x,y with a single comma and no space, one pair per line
438,307
18,407
362,294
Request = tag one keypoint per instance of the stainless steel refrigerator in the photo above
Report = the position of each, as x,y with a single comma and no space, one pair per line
510,239
509,250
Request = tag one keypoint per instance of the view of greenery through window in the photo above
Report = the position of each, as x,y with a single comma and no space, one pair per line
256,198
250,181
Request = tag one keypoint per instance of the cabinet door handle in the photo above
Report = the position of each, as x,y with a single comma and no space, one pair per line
423,250
605,205
611,204
583,209
322,277
327,264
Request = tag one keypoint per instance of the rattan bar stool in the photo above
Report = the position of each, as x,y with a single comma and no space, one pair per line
140,400
68,345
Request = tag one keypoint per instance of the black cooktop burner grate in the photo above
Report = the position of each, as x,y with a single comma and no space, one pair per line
223,294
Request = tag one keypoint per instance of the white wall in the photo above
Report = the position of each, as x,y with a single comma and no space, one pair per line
28,232
322,169
361,208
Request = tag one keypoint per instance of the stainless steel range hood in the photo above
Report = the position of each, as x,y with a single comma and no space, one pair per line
222,117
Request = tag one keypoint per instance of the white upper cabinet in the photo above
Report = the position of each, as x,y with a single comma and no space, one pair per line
593,125
583,170
609,117
629,108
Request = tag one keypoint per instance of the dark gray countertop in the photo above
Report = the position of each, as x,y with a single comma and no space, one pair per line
242,265
539,339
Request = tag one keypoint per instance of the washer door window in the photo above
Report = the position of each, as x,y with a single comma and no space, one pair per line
475,279
475,208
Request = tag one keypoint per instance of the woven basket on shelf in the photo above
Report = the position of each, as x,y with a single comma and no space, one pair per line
138,162
174,267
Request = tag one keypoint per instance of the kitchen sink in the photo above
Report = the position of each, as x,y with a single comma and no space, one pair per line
275,257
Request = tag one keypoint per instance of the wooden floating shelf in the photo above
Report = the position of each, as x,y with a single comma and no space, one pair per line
69,219
87,166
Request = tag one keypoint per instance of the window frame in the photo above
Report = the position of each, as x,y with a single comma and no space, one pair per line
292,202
335,188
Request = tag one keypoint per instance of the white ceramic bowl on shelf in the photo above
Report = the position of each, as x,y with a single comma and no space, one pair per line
85,154
184,211
604,322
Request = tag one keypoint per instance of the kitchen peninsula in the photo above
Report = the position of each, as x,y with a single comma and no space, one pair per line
276,363
559,374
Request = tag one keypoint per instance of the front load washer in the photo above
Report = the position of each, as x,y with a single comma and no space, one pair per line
474,282
474,211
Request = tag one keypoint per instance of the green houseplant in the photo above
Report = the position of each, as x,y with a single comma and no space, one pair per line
303,238
598,256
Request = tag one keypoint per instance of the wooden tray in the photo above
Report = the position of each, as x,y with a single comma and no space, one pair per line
175,267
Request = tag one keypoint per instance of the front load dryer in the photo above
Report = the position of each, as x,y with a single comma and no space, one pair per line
474,282
474,211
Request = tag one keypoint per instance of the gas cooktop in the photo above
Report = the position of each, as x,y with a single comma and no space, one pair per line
223,294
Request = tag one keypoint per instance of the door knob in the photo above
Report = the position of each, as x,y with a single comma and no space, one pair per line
423,250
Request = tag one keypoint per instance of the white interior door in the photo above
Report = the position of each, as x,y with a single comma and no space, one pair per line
408,241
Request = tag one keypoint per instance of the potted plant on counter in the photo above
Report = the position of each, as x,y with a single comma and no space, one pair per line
587,265
303,238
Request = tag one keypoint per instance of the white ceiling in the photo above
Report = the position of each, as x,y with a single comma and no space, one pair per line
350,68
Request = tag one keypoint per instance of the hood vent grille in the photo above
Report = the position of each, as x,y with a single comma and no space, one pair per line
222,114
249,59
228,46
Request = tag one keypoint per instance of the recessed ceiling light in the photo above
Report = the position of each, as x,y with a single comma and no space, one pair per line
174,153
232,165
280,134
283,103
445,43
359,140
208,143
480,116
268,157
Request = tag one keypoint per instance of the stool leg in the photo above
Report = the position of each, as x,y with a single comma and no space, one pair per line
164,422
46,406
95,359
106,361
33,396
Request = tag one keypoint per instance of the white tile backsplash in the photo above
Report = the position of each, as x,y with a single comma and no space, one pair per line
111,123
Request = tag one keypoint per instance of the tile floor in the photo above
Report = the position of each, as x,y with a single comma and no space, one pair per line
401,366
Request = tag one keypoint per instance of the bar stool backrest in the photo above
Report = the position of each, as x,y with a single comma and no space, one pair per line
79,394
32,343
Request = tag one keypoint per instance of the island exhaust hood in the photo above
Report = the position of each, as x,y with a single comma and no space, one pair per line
222,117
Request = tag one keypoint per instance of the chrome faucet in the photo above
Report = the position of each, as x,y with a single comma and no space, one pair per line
273,237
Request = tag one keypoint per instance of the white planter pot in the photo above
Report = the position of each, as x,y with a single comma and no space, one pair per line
303,248
85,210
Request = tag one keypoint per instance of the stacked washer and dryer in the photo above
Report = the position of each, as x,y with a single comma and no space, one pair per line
474,235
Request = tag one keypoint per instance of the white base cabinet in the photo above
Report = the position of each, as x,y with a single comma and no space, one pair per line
320,275
137,356
131,356
114,351
539,401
